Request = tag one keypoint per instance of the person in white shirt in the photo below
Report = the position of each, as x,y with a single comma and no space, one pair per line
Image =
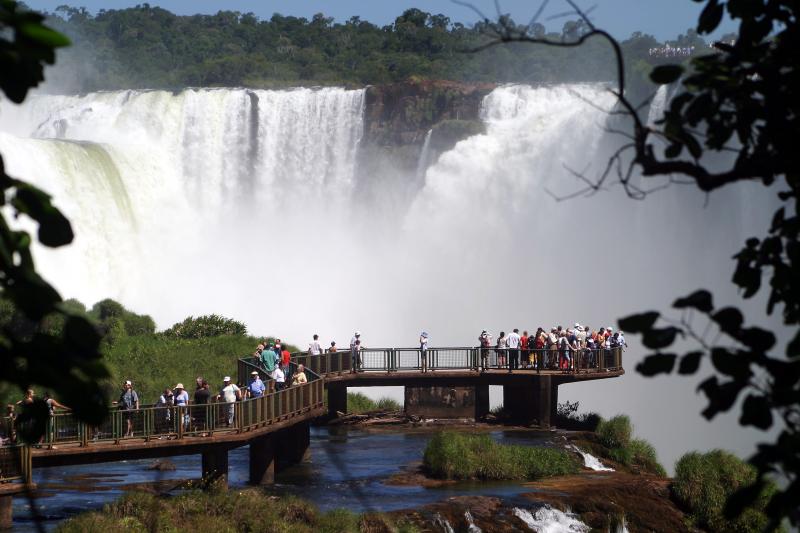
314,348
230,393
279,377
423,350
513,350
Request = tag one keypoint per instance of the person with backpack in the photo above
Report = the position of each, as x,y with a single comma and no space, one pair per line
485,342
128,402
423,350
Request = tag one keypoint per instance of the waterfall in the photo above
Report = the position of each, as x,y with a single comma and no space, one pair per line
590,461
549,520
658,105
424,154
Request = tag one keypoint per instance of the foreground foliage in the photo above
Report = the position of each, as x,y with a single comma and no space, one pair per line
67,363
458,456
703,483
223,512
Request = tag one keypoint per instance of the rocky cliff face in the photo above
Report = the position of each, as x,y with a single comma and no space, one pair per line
398,117
402,113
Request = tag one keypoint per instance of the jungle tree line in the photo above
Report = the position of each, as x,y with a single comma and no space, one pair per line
150,47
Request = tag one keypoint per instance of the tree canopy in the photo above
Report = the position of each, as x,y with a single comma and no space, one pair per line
149,47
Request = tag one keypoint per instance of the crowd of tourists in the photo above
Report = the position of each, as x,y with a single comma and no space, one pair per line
566,349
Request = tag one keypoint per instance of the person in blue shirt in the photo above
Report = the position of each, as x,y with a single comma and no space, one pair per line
256,387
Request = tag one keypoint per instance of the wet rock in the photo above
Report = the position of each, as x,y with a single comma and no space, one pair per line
163,465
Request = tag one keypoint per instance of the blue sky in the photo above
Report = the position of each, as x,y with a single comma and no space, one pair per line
662,18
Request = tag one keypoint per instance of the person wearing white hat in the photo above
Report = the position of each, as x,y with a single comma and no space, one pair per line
230,393
128,402
181,398
256,388
355,352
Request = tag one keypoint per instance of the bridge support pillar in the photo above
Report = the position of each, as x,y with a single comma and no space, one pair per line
215,467
6,516
262,461
337,399
546,400
481,401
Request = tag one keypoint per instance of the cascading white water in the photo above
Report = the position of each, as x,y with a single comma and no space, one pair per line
549,520
657,105
590,461
424,154
248,204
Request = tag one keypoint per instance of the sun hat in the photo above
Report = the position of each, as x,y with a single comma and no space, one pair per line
226,378
179,386
358,333
128,382
254,373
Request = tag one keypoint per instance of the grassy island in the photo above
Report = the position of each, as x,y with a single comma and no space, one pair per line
458,456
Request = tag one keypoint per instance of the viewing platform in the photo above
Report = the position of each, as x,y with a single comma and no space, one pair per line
276,425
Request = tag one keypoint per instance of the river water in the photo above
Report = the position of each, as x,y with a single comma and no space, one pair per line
348,468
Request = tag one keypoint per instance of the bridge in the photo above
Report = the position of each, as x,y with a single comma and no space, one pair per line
276,425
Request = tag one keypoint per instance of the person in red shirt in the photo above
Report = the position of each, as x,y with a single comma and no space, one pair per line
523,344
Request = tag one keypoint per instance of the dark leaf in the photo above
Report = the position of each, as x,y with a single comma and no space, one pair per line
656,339
43,35
673,150
690,363
710,17
660,363
32,421
756,412
54,228
733,364
777,219
742,499
666,74
700,300
793,348
747,277
729,320
757,339
639,322
720,397
83,335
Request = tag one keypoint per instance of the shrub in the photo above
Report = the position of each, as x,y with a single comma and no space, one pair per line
108,308
567,417
615,433
459,456
138,324
388,404
643,455
358,402
206,326
704,481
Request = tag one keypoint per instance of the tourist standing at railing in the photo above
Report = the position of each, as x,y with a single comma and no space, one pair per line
299,377
286,357
333,348
201,400
128,402
501,349
485,341
163,419
314,348
268,359
280,378
256,388
538,348
513,342
230,393
8,429
423,350
552,344
181,398
525,352
355,351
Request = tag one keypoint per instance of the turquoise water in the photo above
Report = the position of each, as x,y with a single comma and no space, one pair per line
347,469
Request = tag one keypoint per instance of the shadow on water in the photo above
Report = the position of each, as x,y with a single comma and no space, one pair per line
348,468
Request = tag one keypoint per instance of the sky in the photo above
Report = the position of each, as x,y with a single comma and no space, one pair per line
664,19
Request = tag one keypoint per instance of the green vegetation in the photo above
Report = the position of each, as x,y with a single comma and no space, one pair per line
704,481
567,417
222,512
615,436
149,47
459,456
206,326
358,402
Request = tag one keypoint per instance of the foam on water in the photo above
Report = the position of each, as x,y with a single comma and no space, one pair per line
589,460
549,520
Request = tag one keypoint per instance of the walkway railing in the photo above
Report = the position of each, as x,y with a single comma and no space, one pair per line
169,422
462,358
